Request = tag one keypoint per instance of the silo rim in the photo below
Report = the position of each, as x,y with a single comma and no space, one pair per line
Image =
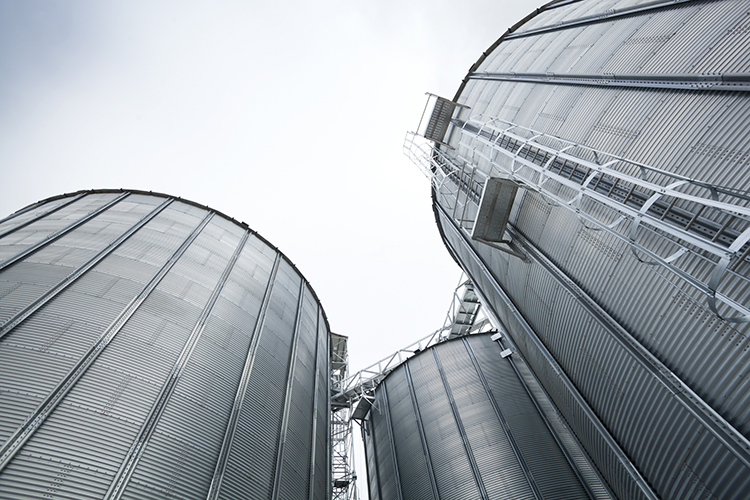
550,5
243,225
363,405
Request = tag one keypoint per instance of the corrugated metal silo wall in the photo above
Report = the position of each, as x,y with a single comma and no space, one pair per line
153,348
455,422
665,377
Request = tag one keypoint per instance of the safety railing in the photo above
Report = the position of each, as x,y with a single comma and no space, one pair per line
706,221
462,319
709,221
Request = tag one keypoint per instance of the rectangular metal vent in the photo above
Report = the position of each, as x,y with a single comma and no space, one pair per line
362,408
439,120
494,209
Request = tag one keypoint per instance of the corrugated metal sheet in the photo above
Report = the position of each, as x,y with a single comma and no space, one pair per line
26,216
478,422
410,452
171,369
321,473
596,364
42,232
387,479
252,458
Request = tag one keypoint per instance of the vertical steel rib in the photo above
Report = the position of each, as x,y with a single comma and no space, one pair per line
27,311
460,426
316,388
50,402
329,473
221,462
422,438
580,462
127,468
60,233
720,428
288,395
52,210
375,457
387,413
504,423
22,211
729,82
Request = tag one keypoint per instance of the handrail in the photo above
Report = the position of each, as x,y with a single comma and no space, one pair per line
653,200
365,380
535,157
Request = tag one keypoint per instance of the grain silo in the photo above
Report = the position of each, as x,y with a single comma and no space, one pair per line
151,347
455,421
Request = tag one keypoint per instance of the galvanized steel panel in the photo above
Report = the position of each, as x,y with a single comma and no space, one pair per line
388,485
505,469
321,435
258,432
25,215
79,446
694,132
410,453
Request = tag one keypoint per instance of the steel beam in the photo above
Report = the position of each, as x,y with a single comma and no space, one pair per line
608,15
715,82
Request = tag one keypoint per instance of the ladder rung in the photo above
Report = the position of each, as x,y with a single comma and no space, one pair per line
627,196
614,184
722,228
669,207
690,224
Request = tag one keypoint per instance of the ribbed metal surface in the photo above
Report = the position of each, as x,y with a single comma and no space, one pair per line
387,481
410,452
320,474
127,342
629,353
597,441
459,414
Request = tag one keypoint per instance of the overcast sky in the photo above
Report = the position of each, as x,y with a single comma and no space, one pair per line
287,115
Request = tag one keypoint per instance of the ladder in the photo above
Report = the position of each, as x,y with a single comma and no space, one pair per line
706,221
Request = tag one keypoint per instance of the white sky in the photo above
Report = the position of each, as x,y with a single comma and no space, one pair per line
287,115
